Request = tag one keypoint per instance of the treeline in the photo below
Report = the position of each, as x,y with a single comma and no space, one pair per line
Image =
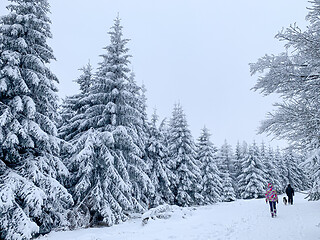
98,159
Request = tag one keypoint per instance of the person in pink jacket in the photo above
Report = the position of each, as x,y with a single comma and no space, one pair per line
272,197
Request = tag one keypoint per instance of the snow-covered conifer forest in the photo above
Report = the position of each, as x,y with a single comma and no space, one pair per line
98,159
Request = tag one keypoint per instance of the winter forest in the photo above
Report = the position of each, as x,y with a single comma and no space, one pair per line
96,158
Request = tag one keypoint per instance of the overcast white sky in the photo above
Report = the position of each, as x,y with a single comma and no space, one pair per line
195,52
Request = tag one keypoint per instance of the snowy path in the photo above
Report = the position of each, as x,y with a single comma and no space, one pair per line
240,220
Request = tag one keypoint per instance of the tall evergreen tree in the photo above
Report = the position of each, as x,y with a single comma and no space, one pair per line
186,185
207,156
225,157
295,174
314,173
263,152
74,107
227,169
282,169
101,195
272,170
139,123
113,104
86,79
228,193
252,181
32,199
240,153
109,103
120,113
157,154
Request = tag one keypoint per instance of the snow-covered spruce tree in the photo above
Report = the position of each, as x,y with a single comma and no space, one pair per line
157,155
207,156
239,155
142,107
100,193
73,110
228,194
281,168
165,131
302,157
225,159
271,170
263,152
120,114
112,104
294,75
86,79
295,174
138,128
32,198
137,103
314,172
111,107
252,182
186,185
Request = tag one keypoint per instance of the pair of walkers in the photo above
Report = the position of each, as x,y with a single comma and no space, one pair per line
272,198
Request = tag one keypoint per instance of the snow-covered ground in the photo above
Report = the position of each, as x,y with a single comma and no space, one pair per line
242,220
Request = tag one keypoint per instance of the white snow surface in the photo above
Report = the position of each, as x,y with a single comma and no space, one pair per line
241,220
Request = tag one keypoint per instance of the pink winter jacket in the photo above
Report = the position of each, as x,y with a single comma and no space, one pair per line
271,194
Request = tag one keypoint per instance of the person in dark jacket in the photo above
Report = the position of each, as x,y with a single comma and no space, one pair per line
290,194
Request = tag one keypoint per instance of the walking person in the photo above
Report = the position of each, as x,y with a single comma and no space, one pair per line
272,197
290,194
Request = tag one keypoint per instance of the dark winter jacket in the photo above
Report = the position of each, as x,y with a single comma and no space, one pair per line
289,191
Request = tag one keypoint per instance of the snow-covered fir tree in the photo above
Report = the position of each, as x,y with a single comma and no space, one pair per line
101,195
295,173
294,75
207,156
86,79
272,170
282,170
263,152
137,102
73,111
226,158
226,166
111,105
240,153
228,194
252,182
165,131
32,198
157,154
116,111
141,95
238,156
186,185
314,174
